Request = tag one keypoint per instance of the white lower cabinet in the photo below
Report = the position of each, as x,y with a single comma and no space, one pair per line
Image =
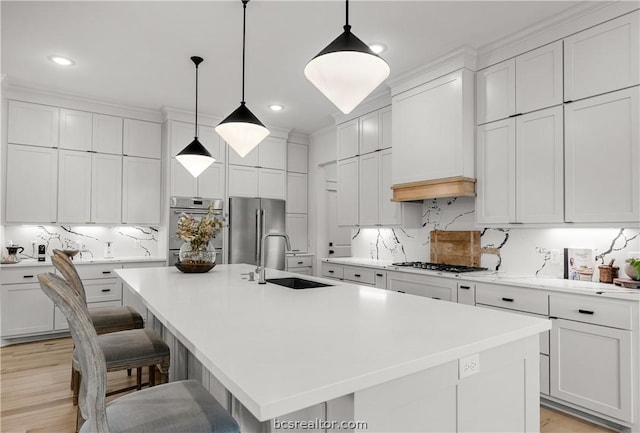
25,310
591,366
141,190
544,374
466,293
331,270
300,264
444,289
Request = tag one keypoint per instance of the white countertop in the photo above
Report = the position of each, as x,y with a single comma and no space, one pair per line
88,261
590,288
279,350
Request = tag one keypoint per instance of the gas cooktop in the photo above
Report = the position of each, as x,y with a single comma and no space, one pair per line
439,267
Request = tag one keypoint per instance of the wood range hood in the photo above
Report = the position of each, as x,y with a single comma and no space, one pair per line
447,187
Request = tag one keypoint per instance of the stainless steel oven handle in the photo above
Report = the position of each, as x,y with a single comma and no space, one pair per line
189,211
258,237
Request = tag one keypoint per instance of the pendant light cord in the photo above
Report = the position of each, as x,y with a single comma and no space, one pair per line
196,125
347,27
244,37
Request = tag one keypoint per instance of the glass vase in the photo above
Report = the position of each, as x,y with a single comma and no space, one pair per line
206,255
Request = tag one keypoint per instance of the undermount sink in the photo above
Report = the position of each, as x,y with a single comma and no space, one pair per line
296,283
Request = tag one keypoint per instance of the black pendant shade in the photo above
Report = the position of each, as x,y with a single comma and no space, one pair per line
195,157
347,41
243,114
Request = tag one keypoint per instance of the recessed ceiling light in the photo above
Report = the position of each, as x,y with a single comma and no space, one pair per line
62,61
276,107
377,47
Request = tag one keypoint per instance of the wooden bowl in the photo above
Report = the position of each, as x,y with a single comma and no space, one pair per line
195,267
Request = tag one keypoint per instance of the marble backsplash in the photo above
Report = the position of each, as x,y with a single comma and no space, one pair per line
126,241
524,251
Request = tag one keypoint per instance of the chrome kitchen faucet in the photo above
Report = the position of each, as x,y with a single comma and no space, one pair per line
261,270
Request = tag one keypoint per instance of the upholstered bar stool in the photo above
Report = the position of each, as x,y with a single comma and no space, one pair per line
123,350
183,406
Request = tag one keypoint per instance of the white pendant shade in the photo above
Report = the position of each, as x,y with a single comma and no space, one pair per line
195,164
242,136
346,78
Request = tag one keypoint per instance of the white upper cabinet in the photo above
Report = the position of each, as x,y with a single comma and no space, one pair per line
272,183
369,133
33,124
348,192
496,92
603,58
433,130
389,212
369,189
602,158
75,130
32,184
243,181
496,184
296,193
348,139
182,134
183,184
539,167
297,157
385,128
107,134
141,138
74,187
211,182
141,190
272,153
106,188
251,159
539,78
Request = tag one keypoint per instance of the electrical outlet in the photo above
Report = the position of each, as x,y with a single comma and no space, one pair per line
469,366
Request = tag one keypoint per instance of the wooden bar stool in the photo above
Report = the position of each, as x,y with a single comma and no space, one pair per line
183,406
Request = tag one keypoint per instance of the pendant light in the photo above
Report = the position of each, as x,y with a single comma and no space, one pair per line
195,157
347,70
241,129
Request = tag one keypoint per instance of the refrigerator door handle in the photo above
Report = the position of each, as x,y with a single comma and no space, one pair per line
258,226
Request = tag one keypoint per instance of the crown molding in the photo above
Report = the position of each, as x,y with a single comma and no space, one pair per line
377,100
579,17
25,92
463,57
188,116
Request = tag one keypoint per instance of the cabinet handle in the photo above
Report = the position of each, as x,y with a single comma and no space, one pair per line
331,252
106,290
330,271
356,275
507,299
401,291
585,312
379,275
27,276
106,272
466,288
300,263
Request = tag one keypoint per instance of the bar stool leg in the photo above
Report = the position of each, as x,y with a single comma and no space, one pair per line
139,378
152,375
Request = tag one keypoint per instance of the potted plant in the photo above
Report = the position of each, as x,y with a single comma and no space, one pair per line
196,254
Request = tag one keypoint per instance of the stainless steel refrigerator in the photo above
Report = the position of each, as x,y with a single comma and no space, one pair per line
249,220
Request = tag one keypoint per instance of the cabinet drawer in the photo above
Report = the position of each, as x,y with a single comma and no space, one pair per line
360,275
544,336
467,293
103,290
513,298
298,262
302,271
592,310
332,271
92,272
381,279
23,274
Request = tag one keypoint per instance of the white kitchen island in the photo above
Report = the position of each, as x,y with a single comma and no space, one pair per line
396,362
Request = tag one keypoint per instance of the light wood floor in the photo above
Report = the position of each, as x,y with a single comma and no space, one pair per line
35,394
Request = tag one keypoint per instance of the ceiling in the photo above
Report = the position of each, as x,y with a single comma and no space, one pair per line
137,53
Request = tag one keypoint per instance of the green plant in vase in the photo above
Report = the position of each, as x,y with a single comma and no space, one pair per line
634,265
197,233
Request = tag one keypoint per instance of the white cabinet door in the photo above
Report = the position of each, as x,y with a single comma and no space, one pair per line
296,193
601,158
182,184
32,184
369,133
272,183
243,181
297,231
496,92
74,186
106,188
76,130
272,153
348,192
603,58
141,138
212,142
297,157
580,349
348,139
211,182
539,78
389,212
368,190
25,310
539,166
385,128
422,285
141,190
182,134
496,184
251,159
33,124
107,134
